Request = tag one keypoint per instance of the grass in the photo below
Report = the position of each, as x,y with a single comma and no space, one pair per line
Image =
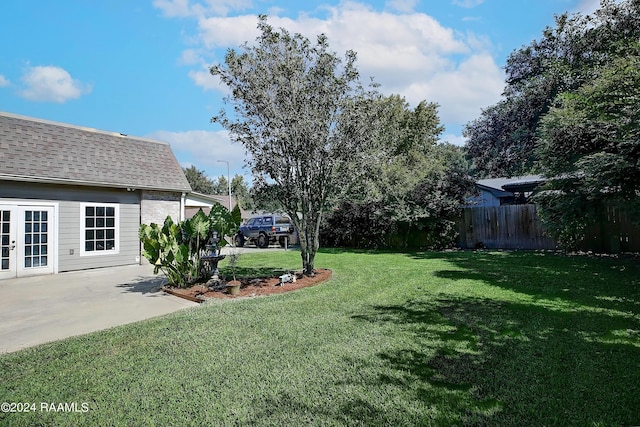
458,338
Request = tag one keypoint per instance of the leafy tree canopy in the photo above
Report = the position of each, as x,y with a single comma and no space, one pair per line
303,115
503,140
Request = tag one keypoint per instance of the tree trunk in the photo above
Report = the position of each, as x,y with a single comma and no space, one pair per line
308,230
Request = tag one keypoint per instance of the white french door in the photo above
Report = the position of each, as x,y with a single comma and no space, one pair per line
26,240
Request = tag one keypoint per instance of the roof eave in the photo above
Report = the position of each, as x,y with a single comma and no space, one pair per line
63,181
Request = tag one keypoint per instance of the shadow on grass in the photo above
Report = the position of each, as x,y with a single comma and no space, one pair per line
560,347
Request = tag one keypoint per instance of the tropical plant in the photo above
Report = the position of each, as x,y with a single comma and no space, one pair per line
176,249
165,249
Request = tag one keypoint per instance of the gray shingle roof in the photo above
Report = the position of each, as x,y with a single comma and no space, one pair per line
43,151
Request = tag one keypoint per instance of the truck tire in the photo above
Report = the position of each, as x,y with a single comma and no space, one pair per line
262,241
239,240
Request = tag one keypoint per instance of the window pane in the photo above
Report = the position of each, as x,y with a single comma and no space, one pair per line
89,235
99,234
27,250
27,262
111,234
43,249
88,246
111,244
36,261
36,228
36,215
36,238
27,228
5,239
5,264
99,210
89,223
99,222
5,252
111,211
43,238
43,227
6,215
43,216
36,250
111,222
5,227
100,245
43,261
27,215
27,239
89,211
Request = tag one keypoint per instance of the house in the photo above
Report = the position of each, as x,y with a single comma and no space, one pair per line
505,191
73,198
196,201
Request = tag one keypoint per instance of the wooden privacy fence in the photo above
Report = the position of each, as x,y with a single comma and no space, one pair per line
614,233
519,227
503,227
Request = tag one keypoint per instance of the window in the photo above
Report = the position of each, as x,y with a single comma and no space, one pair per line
99,228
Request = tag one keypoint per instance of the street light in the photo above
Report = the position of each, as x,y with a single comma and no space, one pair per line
228,181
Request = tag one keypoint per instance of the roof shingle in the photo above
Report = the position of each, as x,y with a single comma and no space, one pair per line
39,150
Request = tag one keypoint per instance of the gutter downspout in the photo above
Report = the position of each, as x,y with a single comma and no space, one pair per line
183,204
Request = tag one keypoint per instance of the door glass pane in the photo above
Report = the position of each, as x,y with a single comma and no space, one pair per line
5,217
35,233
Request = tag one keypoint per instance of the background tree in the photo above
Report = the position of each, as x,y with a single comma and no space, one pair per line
413,191
302,114
590,145
198,181
503,140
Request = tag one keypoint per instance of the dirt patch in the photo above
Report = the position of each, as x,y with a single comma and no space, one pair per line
252,287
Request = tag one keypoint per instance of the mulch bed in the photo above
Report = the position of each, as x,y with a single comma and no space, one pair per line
251,287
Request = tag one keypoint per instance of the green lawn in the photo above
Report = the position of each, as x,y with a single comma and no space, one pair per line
457,338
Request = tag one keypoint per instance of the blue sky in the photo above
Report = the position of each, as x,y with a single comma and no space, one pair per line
141,67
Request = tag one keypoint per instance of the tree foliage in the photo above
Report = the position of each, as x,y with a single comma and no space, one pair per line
414,189
590,146
570,111
302,114
199,181
503,140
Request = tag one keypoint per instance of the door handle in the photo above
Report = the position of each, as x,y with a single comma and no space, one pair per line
12,246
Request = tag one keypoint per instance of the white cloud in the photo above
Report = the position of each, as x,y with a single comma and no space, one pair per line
51,83
3,81
205,148
404,6
410,53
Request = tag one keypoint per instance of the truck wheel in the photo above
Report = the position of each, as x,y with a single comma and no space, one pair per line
239,240
263,241
281,241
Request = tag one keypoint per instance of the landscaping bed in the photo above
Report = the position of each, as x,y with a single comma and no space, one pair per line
251,287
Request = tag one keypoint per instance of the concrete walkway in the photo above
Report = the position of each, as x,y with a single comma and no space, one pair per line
39,309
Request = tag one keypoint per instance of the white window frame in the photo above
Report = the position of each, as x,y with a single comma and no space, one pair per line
83,229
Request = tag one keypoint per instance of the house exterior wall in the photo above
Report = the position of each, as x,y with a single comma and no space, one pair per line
484,199
70,201
156,205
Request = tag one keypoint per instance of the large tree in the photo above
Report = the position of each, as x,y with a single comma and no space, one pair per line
303,116
503,140
199,181
414,188
590,148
